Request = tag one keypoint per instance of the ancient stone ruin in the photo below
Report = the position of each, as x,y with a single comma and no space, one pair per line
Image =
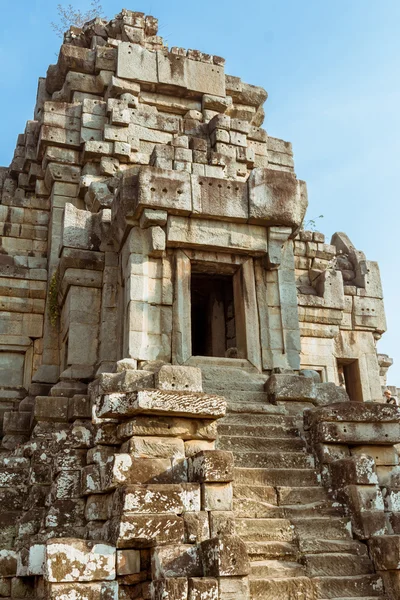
191,396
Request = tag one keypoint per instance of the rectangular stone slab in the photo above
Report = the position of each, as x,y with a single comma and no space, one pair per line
157,498
144,531
186,429
216,235
70,559
357,412
159,402
384,434
83,591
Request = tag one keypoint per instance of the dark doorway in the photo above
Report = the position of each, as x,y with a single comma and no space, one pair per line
349,378
213,315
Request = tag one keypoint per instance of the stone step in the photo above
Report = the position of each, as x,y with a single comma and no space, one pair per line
247,397
331,528
314,509
248,508
248,430
250,444
224,378
274,460
301,495
358,586
337,565
276,477
259,408
320,545
272,551
281,589
276,569
260,530
260,419
364,598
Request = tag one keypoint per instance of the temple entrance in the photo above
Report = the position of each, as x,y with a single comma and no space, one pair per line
349,378
213,315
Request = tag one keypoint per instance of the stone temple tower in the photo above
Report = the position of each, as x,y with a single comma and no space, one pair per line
190,392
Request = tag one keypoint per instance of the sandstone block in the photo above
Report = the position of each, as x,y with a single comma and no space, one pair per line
385,552
91,480
8,563
156,499
179,378
181,560
357,433
69,559
170,589
185,429
154,447
193,447
203,588
144,531
126,470
355,412
212,466
128,562
159,402
225,556
217,496
357,470
197,527
221,523
49,408
276,198
105,590
305,389
126,381
219,199
382,455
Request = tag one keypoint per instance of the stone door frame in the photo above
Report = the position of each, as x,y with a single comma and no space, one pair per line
246,311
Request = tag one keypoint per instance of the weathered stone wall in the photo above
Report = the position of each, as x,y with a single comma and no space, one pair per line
144,166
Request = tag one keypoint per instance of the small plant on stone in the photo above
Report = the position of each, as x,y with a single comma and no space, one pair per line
52,306
69,16
311,224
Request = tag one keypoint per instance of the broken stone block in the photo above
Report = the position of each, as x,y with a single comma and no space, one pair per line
196,527
177,378
211,466
225,556
69,559
217,496
188,404
175,561
128,562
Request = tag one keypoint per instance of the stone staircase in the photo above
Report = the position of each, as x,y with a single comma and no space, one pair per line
299,542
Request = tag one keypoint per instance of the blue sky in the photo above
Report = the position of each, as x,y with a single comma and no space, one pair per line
332,73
